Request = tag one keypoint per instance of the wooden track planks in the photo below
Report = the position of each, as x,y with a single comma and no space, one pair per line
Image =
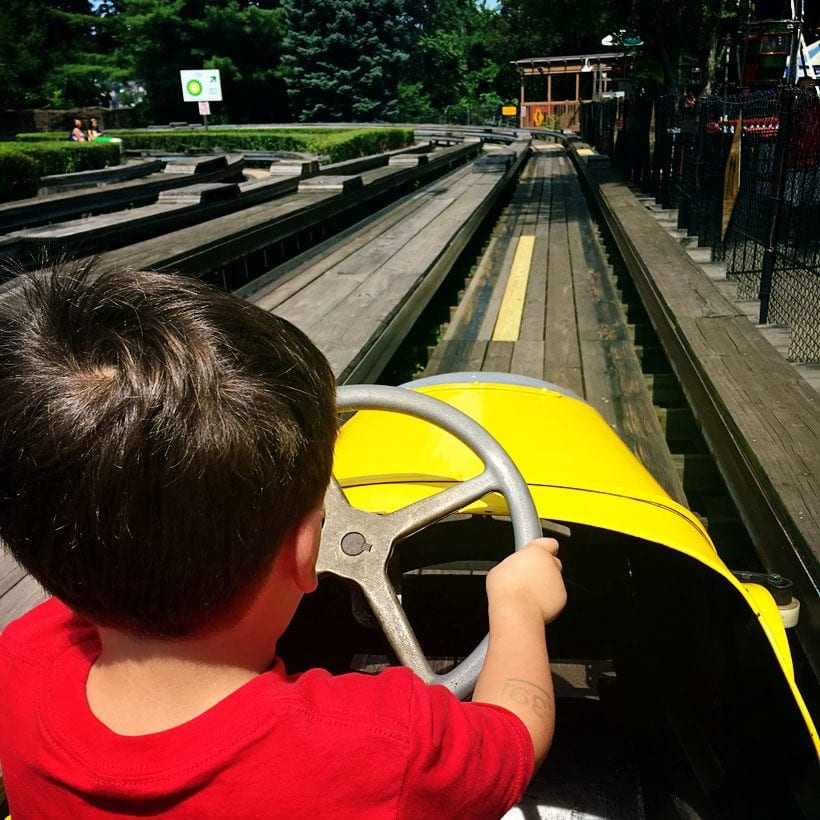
216,243
73,204
759,417
19,592
573,332
356,296
562,359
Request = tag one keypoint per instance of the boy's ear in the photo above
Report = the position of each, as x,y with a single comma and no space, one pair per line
306,538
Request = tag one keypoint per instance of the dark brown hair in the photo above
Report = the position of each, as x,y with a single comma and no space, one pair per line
157,439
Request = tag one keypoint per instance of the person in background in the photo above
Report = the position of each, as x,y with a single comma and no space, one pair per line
77,134
94,132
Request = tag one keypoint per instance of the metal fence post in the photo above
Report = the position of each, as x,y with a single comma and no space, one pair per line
778,186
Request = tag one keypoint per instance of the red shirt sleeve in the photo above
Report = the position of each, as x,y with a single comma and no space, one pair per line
466,760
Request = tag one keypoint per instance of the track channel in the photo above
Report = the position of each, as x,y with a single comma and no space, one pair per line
583,323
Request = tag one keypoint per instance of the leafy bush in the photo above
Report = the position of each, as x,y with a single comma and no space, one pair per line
19,176
337,143
22,161
552,122
42,136
66,157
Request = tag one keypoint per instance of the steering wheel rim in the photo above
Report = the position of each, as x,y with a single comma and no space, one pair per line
356,545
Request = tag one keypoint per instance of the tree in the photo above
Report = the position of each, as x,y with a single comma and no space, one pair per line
47,54
344,58
673,31
241,38
451,64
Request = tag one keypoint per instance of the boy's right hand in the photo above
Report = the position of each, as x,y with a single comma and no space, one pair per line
524,592
530,577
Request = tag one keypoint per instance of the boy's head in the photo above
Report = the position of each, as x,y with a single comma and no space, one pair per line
157,439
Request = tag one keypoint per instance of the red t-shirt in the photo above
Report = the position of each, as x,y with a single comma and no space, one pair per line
311,745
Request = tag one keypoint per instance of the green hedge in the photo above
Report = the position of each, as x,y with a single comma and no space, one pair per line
19,176
337,143
22,162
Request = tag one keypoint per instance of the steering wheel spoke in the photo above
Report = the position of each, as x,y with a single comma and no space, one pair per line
335,498
389,613
421,514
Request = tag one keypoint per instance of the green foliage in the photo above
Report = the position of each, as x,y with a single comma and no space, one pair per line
64,157
672,30
338,144
241,38
552,122
355,60
36,42
344,58
452,73
23,163
363,142
414,103
19,176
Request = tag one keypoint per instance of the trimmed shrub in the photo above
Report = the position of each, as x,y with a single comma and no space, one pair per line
39,159
19,176
337,143
67,157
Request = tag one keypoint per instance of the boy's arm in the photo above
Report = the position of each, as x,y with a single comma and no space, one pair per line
525,592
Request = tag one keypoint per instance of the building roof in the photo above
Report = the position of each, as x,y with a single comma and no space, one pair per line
533,62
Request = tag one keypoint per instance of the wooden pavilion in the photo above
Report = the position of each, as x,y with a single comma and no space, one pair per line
553,88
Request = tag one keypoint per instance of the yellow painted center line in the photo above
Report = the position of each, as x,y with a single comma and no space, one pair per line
508,323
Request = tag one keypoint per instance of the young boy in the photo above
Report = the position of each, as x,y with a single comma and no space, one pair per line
164,452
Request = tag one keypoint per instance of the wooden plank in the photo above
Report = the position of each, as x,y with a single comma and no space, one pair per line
779,438
533,319
508,321
589,267
455,356
528,358
517,220
19,592
369,300
72,204
225,238
198,250
395,288
562,358
375,248
736,384
471,309
10,571
498,358
274,286
636,421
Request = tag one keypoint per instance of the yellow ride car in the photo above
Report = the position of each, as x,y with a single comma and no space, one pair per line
675,688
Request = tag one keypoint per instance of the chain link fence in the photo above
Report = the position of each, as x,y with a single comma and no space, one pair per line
678,151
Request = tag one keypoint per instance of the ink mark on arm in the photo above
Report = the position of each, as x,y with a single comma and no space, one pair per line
524,693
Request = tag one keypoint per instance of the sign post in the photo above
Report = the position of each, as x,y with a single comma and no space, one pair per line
202,86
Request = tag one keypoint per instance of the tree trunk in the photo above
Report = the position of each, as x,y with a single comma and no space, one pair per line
712,58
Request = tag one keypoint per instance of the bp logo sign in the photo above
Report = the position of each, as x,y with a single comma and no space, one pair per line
201,85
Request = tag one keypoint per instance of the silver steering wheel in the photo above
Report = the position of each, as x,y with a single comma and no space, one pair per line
357,545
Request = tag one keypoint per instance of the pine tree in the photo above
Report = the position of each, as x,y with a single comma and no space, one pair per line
344,58
48,53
